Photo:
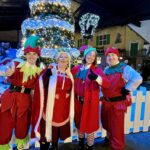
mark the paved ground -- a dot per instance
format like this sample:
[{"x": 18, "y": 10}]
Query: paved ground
[{"x": 136, "y": 141}]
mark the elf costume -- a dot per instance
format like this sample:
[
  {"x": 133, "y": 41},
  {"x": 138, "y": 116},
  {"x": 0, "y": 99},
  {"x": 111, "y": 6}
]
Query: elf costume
[
  {"x": 15, "y": 110},
  {"x": 88, "y": 80},
  {"x": 117, "y": 97}
]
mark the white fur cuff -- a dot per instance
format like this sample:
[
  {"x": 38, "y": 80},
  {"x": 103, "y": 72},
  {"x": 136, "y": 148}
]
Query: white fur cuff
[{"x": 99, "y": 80}]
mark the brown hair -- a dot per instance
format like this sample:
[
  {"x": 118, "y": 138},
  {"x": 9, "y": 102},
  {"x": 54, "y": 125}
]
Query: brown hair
[{"x": 94, "y": 63}]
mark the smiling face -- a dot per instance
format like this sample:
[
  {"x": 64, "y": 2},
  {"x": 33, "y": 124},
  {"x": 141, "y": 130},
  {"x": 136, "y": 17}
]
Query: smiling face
[
  {"x": 32, "y": 57},
  {"x": 63, "y": 60},
  {"x": 90, "y": 57},
  {"x": 112, "y": 59}
]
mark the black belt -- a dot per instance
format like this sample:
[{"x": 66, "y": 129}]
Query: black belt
[
  {"x": 20, "y": 89},
  {"x": 79, "y": 98},
  {"x": 115, "y": 99}
]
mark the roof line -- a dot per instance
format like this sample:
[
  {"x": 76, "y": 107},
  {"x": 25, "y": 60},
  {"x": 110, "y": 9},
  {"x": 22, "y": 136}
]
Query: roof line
[{"x": 145, "y": 41}]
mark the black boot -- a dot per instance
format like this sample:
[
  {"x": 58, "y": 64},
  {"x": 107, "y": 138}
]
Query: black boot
[
  {"x": 81, "y": 144},
  {"x": 105, "y": 142},
  {"x": 54, "y": 146},
  {"x": 44, "y": 146},
  {"x": 87, "y": 147}
]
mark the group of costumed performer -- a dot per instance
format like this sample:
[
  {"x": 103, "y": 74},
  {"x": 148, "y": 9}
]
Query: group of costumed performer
[
  {"x": 117, "y": 98},
  {"x": 62, "y": 95},
  {"x": 15, "y": 102},
  {"x": 88, "y": 78},
  {"x": 53, "y": 104}
]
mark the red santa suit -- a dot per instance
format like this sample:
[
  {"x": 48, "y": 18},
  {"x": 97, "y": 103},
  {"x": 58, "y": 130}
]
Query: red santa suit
[
  {"x": 87, "y": 108},
  {"x": 16, "y": 104},
  {"x": 53, "y": 107}
]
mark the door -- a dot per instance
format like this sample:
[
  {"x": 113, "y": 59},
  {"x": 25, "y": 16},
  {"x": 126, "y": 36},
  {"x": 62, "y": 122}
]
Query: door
[{"x": 134, "y": 49}]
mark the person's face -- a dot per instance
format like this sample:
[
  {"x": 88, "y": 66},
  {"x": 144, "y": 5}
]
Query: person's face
[
  {"x": 32, "y": 57},
  {"x": 90, "y": 57},
  {"x": 63, "y": 60},
  {"x": 112, "y": 59}
]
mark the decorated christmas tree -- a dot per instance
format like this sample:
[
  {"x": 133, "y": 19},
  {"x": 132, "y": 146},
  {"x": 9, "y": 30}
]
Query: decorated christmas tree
[{"x": 53, "y": 22}]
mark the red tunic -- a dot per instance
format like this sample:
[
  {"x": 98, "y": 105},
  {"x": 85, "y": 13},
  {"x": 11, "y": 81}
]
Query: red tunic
[
  {"x": 113, "y": 112},
  {"x": 87, "y": 115},
  {"x": 61, "y": 103},
  {"x": 9, "y": 99},
  {"x": 16, "y": 108}
]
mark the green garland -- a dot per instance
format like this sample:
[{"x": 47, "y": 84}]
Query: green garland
[
  {"x": 47, "y": 8},
  {"x": 48, "y": 61},
  {"x": 48, "y": 16},
  {"x": 48, "y": 32},
  {"x": 52, "y": 36}
]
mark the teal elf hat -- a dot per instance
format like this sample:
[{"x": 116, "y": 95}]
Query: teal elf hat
[
  {"x": 89, "y": 49},
  {"x": 32, "y": 45}
]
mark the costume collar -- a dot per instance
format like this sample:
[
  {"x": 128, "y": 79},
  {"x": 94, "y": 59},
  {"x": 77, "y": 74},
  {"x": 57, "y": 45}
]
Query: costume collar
[
  {"x": 115, "y": 64},
  {"x": 28, "y": 70},
  {"x": 118, "y": 68},
  {"x": 26, "y": 64},
  {"x": 85, "y": 67}
]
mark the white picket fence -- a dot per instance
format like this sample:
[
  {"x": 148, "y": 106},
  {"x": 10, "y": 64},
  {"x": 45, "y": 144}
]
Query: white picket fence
[{"x": 137, "y": 117}]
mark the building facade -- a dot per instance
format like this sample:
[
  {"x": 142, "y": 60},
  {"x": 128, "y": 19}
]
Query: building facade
[{"x": 130, "y": 43}]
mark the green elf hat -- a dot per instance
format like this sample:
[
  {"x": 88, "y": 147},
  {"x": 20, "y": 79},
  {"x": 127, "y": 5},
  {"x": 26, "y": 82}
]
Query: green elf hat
[
  {"x": 89, "y": 49},
  {"x": 32, "y": 45}
]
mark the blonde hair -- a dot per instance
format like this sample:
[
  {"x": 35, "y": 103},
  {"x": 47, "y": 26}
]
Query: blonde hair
[{"x": 62, "y": 52}]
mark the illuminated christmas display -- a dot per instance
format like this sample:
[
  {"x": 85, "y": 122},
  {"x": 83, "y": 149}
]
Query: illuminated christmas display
[
  {"x": 53, "y": 22},
  {"x": 88, "y": 23}
]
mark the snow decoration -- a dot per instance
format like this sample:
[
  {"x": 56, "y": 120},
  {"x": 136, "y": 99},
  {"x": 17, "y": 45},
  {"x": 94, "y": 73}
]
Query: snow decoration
[
  {"x": 49, "y": 23},
  {"x": 52, "y": 52}
]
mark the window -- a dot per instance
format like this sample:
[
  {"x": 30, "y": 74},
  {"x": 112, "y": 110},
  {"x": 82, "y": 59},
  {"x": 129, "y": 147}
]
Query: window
[
  {"x": 82, "y": 42},
  {"x": 118, "y": 38},
  {"x": 103, "y": 39}
]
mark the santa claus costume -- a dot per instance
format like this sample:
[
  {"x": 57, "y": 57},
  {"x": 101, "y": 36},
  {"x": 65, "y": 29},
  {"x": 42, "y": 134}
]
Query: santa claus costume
[
  {"x": 88, "y": 80},
  {"x": 15, "y": 109},
  {"x": 53, "y": 105},
  {"x": 123, "y": 79}
]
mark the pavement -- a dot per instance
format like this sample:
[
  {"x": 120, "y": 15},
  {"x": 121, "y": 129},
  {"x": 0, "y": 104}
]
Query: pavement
[{"x": 134, "y": 141}]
